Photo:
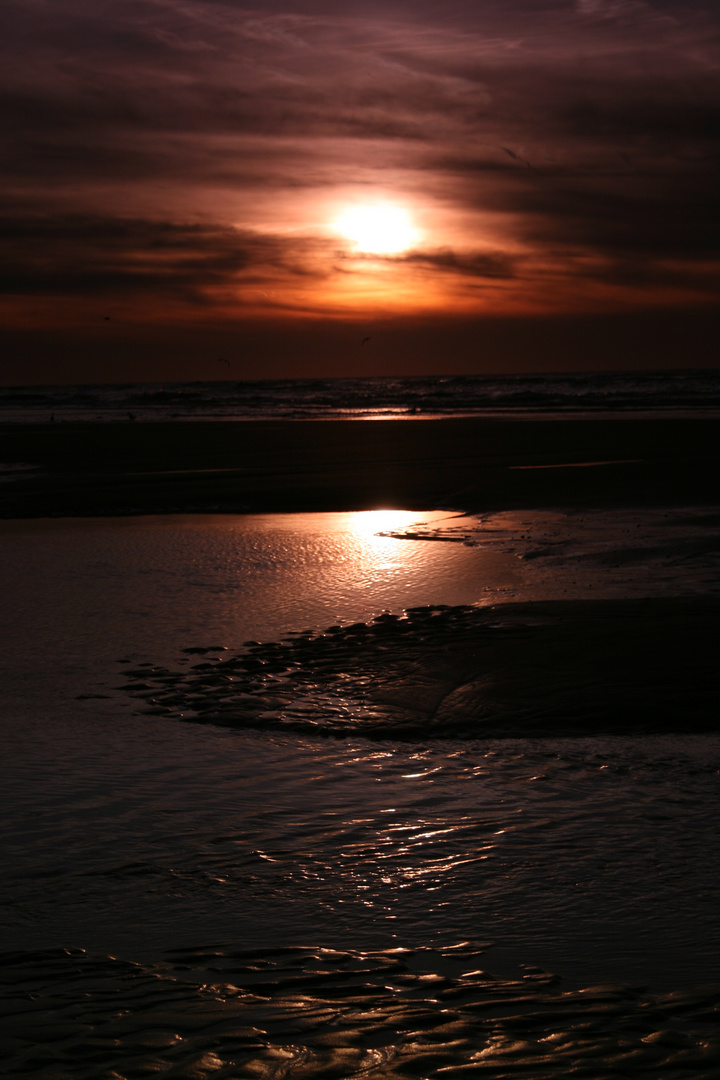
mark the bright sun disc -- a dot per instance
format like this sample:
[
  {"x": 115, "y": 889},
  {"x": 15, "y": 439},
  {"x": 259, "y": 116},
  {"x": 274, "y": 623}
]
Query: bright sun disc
[{"x": 378, "y": 230}]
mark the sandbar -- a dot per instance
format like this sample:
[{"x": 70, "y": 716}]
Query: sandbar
[{"x": 470, "y": 464}]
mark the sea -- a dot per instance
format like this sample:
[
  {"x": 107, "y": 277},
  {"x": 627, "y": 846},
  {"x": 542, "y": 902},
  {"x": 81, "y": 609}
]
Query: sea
[
  {"x": 619, "y": 393},
  {"x": 292, "y": 897}
]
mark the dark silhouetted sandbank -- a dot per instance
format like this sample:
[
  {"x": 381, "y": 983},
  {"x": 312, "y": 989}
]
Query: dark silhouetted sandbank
[
  {"x": 469, "y": 464},
  {"x": 539, "y": 669}
]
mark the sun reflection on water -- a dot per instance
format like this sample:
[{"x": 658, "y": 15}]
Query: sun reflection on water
[
  {"x": 376, "y": 557},
  {"x": 367, "y": 523}
]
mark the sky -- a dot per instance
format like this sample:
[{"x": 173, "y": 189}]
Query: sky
[{"x": 486, "y": 186}]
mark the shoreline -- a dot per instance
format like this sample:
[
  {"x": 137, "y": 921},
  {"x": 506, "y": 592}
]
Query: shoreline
[{"x": 472, "y": 465}]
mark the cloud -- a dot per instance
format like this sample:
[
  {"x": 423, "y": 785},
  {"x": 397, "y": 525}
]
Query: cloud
[
  {"x": 174, "y": 147},
  {"x": 85, "y": 256},
  {"x": 85, "y": 76},
  {"x": 478, "y": 265}
]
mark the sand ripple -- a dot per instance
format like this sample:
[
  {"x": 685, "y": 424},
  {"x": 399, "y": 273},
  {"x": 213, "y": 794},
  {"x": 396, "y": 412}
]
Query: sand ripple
[{"x": 303, "y": 1012}]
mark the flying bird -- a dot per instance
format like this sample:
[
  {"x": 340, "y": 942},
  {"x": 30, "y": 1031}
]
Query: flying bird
[
  {"x": 514, "y": 156},
  {"x": 364, "y": 340},
  {"x": 222, "y": 360}
]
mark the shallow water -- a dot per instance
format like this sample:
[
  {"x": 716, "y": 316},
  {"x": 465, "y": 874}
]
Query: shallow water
[
  {"x": 134, "y": 835},
  {"x": 596, "y": 859},
  {"x": 86, "y": 593}
]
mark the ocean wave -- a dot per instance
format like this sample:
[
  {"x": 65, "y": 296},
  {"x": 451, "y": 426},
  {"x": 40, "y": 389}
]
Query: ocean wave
[{"x": 359, "y": 398}]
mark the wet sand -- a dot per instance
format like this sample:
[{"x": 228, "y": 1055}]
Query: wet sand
[
  {"x": 467, "y": 464},
  {"x": 329, "y": 1013}
]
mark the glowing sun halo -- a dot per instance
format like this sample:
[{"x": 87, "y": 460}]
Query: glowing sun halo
[{"x": 377, "y": 230}]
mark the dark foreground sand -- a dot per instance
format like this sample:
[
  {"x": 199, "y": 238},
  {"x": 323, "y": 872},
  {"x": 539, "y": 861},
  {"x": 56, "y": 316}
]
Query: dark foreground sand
[
  {"x": 311, "y": 1013},
  {"x": 467, "y": 464}
]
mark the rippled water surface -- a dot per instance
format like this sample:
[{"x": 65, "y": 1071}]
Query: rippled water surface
[
  {"x": 89, "y": 592},
  {"x": 134, "y": 834},
  {"x": 595, "y": 858}
]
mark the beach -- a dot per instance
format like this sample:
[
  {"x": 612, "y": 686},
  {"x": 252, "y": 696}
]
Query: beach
[
  {"x": 360, "y": 541},
  {"x": 381, "y": 748}
]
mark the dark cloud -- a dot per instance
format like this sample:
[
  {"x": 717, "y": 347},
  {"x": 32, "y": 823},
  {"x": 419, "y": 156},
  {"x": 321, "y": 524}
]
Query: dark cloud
[
  {"x": 672, "y": 123},
  {"x": 479, "y": 266},
  {"x": 96, "y": 78},
  {"x": 85, "y": 256},
  {"x": 645, "y": 218}
]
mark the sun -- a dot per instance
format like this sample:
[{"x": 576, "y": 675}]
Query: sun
[{"x": 377, "y": 230}]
